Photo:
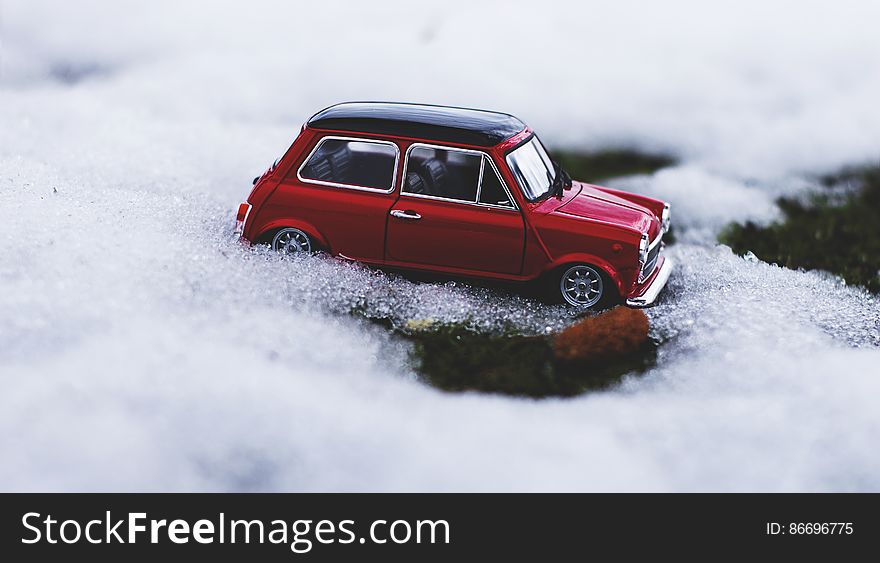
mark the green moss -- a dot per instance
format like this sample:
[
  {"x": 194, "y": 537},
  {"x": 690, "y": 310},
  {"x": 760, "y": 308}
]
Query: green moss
[
  {"x": 454, "y": 358},
  {"x": 600, "y": 165},
  {"x": 837, "y": 230}
]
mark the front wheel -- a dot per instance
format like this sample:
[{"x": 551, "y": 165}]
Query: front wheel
[
  {"x": 292, "y": 241},
  {"x": 582, "y": 286}
]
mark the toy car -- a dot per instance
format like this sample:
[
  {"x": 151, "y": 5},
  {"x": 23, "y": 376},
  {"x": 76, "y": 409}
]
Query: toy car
[{"x": 461, "y": 192}]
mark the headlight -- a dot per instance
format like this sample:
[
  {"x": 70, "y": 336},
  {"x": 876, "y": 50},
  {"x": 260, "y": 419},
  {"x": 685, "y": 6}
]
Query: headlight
[
  {"x": 643, "y": 250},
  {"x": 665, "y": 218}
]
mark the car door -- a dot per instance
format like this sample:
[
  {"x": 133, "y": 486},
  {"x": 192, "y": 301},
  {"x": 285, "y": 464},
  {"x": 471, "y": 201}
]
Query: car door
[
  {"x": 454, "y": 212},
  {"x": 344, "y": 188}
]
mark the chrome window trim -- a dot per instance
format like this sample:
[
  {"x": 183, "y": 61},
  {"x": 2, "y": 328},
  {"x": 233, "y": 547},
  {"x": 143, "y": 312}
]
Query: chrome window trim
[
  {"x": 512, "y": 207},
  {"x": 480, "y": 179},
  {"x": 461, "y": 201},
  {"x": 299, "y": 175},
  {"x": 512, "y": 201}
]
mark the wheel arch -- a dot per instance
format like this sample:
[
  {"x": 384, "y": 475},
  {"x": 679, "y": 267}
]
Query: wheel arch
[
  {"x": 604, "y": 267},
  {"x": 269, "y": 229}
]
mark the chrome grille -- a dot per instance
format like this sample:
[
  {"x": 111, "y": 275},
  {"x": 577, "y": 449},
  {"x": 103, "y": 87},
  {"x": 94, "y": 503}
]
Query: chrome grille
[{"x": 653, "y": 256}]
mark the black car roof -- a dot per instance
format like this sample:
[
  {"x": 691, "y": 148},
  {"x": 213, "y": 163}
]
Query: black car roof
[{"x": 439, "y": 123}]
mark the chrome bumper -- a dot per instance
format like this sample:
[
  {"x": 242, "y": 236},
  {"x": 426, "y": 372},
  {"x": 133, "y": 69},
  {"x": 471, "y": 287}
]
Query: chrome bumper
[{"x": 647, "y": 299}]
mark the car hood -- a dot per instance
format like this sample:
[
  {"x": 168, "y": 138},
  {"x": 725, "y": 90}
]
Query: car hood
[{"x": 590, "y": 202}]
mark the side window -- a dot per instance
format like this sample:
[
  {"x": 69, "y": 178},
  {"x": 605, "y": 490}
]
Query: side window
[
  {"x": 492, "y": 190},
  {"x": 346, "y": 162},
  {"x": 443, "y": 173}
]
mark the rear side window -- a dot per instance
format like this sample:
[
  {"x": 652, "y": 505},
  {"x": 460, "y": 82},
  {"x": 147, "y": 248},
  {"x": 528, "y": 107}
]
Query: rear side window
[{"x": 352, "y": 163}]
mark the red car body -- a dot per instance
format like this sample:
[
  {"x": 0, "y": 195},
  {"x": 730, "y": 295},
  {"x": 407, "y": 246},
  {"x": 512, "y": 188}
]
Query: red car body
[{"x": 406, "y": 225}]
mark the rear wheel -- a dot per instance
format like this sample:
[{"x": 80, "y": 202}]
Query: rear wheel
[
  {"x": 582, "y": 286},
  {"x": 292, "y": 241}
]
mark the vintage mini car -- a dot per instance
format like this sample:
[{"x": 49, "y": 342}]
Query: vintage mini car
[{"x": 460, "y": 192}]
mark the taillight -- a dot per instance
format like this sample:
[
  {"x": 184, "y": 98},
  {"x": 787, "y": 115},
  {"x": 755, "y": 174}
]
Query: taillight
[{"x": 241, "y": 218}]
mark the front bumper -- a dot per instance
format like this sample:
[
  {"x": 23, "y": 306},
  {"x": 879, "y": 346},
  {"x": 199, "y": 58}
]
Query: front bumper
[{"x": 651, "y": 290}]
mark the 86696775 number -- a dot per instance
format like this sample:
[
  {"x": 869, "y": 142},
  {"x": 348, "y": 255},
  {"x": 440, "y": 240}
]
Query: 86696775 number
[{"x": 809, "y": 528}]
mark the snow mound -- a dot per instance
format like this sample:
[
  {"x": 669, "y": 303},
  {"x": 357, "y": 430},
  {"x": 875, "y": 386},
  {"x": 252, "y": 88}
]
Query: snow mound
[
  {"x": 719, "y": 301},
  {"x": 703, "y": 202}
]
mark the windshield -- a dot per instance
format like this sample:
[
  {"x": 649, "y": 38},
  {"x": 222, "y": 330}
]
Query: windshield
[{"x": 532, "y": 168}]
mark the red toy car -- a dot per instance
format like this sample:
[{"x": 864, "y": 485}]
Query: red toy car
[{"x": 457, "y": 191}]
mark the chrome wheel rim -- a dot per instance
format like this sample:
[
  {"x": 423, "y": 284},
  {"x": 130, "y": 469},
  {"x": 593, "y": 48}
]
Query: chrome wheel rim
[
  {"x": 290, "y": 241},
  {"x": 581, "y": 286}
]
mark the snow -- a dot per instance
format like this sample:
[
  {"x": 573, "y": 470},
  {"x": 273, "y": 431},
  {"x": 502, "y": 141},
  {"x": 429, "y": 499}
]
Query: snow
[
  {"x": 142, "y": 348},
  {"x": 720, "y": 200}
]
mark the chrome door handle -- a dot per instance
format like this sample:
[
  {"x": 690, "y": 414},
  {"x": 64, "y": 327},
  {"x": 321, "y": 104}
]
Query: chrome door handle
[{"x": 411, "y": 215}]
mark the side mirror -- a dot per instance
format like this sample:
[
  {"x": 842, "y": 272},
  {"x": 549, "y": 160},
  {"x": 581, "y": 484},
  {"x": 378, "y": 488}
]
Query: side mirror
[{"x": 257, "y": 179}]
